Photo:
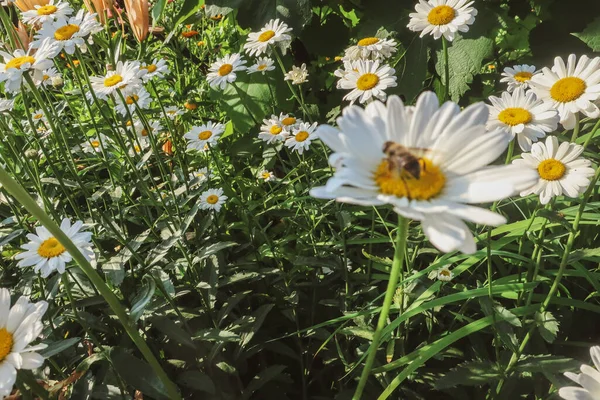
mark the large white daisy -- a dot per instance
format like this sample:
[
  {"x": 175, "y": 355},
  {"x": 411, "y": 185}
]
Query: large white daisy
[
  {"x": 205, "y": 134},
  {"x": 34, "y": 62},
  {"x": 442, "y": 17},
  {"x": 262, "y": 65},
  {"x": 69, "y": 34},
  {"x": 588, "y": 379},
  {"x": 20, "y": 325},
  {"x": 523, "y": 115},
  {"x": 125, "y": 77},
  {"x": 274, "y": 32},
  {"x": 47, "y": 254},
  {"x": 371, "y": 48},
  {"x": 53, "y": 11},
  {"x": 367, "y": 81},
  {"x": 519, "y": 76},
  {"x": 570, "y": 88},
  {"x": 453, "y": 174},
  {"x": 223, "y": 71},
  {"x": 559, "y": 169}
]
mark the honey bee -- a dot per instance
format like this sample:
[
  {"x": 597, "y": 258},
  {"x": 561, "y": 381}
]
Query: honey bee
[{"x": 401, "y": 159}]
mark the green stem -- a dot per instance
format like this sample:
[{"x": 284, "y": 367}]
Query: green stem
[
  {"x": 446, "y": 68},
  {"x": 17, "y": 191},
  {"x": 575, "y": 129},
  {"x": 395, "y": 273}
]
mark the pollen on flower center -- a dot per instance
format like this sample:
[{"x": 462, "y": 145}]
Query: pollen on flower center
[
  {"x": 113, "y": 80},
  {"x": 47, "y": 10},
  {"x": 204, "y": 135},
  {"x": 262, "y": 67},
  {"x": 441, "y": 15},
  {"x": 288, "y": 121},
  {"x": 95, "y": 143},
  {"x": 551, "y": 169},
  {"x": 367, "y": 81},
  {"x": 266, "y": 175},
  {"x": 6, "y": 343},
  {"x": 276, "y": 130},
  {"x": 430, "y": 183},
  {"x": 38, "y": 116},
  {"x": 225, "y": 69},
  {"x": 144, "y": 132},
  {"x": 65, "y": 32},
  {"x": 568, "y": 89},
  {"x": 301, "y": 136},
  {"x": 17, "y": 62},
  {"x": 266, "y": 36},
  {"x": 523, "y": 76},
  {"x": 445, "y": 272},
  {"x": 51, "y": 248},
  {"x": 131, "y": 99},
  {"x": 212, "y": 199},
  {"x": 150, "y": 68},
  {"x": 368, "y": 41},
  {"x": 513, "y": 116}
]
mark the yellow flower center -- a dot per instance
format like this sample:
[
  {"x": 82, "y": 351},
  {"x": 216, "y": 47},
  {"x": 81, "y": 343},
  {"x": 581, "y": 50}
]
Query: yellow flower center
[
  {"x": 144, "y": 132},
  {"x": 368, "y": 41},
  {"x": 551, "y": 169},
  {"x": 6, "y": 343},
  {"x": 17, "y": 62},
  {"x": 266, "y": 36},
  {"x": 441, "y": 15},
  {"x": 568, "y": 89},
  {"x": 47, "y": 10},
  {"x": 225, "y": 69},
  {"x": 276, "y": 130},
  {"x": 514, "y": 116},
  {"x": 288, "y": 121},
  {"x": 212, "y": 199},
  {"x": 51, "y": 248},
  {"x": 445, "y": 273},
  {"x": 38, "y": 116},
  {"x": 266, "y": 175},
  {"x": 523, "y": 76},
  {"x": 65, "y": 32},
  {"x": 113, "y": 80},
  {"x": 367, "y": 81},
  {"x": 45, "y": 77},
  {"x": 132, "y": 99},
  {"x": 430, "y": 183},
  {"x": 301, "y": 136},
  {"x": 262, "y": 67},
  {"x": 95, "y": 143},
  {"x": 204, "y": 135},
  {"x": 150, "y": 68}
]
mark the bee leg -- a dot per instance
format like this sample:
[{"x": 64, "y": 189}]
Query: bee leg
[
  {"x": 423, "y": 164},
  {"x": 407, "y": 189}
]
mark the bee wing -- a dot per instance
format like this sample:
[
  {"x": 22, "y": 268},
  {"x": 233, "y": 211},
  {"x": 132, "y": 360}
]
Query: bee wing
[{"x": 421, "y": 152}]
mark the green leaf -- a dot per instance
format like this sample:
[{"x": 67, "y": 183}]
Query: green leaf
[
  {"x": 546, "y": 364},
  {"x": 547, "y": 325},
  {"x": 357, "y": 331},
  {"x": 261, "y": 379},
  {"x": 583, "y": 253},
  {"x": 471, "y": 373},
  {"x": 115, "y": 267},
  {"x": 157, "y": 10},
  {"x": 138, "y": 374},
  {"x": 189, "y": 8},
  {"x": 173, "y": 331},
  {"x": 197, "y": 380},
  {"x": 465, "y": 60},
  {"x": 591, "y": 35},
  {"x": 58, "y": 347},
  {"x": 412, "y": 70},
  {"x": 142, "y": 298},
  {"x": 259, "y": 316},
  {"x": 256, "y": 13},
  {"x": 216, "y": 335}
]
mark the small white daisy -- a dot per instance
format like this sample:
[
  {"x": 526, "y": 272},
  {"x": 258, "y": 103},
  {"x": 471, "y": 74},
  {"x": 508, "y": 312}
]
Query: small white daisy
[
  {"x": 38, "y": 116},
  {"x": 367, "y": 81},
  {"x": 223, "y": 71},
  {"x": 47, "y": 254},
  {"x": 560, "y": 169},
  {"x": 34, "y": 62},
  {"x": 272, "y": 130},
  {"x": 69, "y": 34},
  {"x": 297, "y": 75},
  {"x": 202, "y": 135},
  {"x": 51, "y": 77},
  {"x": 301, "y": 137},
  {"x": 519, "y": 76},
  {"x": 212, "y": 199},
  {"x": 173, "y": 112},
  {"x": 371, "y": 48},
  {"x": 20, "y": 325},
  {"x": 343, "y": 71},
  {"x": 523, "y": 115},
  {"x": 199, "y": 176},
  {"x": 267, "y": 176},
  {"x": 152, "y": 128},
  {"x": 93, "y": 145},
  {"x": 289, "y": 122},
  {"x": 125, "y": 77},
  {"x": 156, "y": 69},
  {"x": 139, "y": 97},
  {"x": 274, "y": 32},
  {"x": 53, "y": 11},
  {"x": 444, "y": 274},
  {"x": 442, "y": 17},
  {"x": 589, "y": 379},
  {"x": 263, "y": 64},
  {"x": 138, "y": 147},
  {"x": 570, "y": 88}
]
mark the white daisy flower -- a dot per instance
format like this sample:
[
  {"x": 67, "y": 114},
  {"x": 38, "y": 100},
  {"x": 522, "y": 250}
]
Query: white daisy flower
[
  {"x": 199, "y": 176},
  {"x": 6, "y": 105},
  {"x": 46, "y": 253},
  {"x": 297, "y": 75},
  {"x": 274, "y": 32},
  {"x": 301, "y": 137},
  {"x": 523, "y": 115},
  {"x": 343, "y": 71},
  {"x": 125, "y": 77},
  {"x": 152, "y": 128},
  {"x": 371, "y": 48},
  {"x": 157, "y": 69},
  {"x": 223, "y": 71},
  {"x": 138, "y": 147},
  {"x": 589, "y": 379},
  {"x": 212, "y": 199},
  {"x": 93, "y": 145},
  {"x": 69, "y": 34},
  {"x": 559, "y": 169},
  {"x": 519, "y": 76},
  {"x": 446, "y": 178},
  {"x": 53, "y": 11},
  {"x": 272, "y": 130},
  {"x": 367, "y": 81},
  {"x": 34, "y": 62},
  {"x": 444, "y": 274},
  {"x": 20, "y": 325},
  {"x": 139, "y": 97},
  {"x": 202, "y": 135},
  {"x": 173, "y": 112},
  {"x": 289, "y": 122},
  {"x": 38, "y": 116},
  {"x": 570, "y": 88},
  {"x": 263, "y": 64},
  {"x": 442, "y": 17},
  {"x": 51, "y": 77},
  {"x": 267, "y": 176}
]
